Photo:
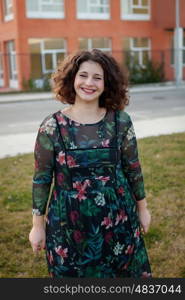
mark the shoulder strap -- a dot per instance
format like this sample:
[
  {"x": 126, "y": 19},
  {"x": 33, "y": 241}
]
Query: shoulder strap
[
  {"x": 61, "y": 138},
  {"x": 59, "y": 131}
]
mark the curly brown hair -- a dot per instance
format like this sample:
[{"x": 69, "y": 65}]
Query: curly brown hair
[{"x": 114, "y": 96}]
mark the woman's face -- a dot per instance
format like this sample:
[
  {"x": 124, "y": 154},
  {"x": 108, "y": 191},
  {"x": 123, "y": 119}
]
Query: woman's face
[{"x": 89, "y": 81}]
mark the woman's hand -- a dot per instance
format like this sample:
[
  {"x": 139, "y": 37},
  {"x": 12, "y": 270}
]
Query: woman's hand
[
  {"x": 144, "y": 215},
  {"x": 37, "y": 236},
  {"x": 145, "y": 219}
]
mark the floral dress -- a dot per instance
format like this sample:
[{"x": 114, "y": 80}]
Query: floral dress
[{"x": 95, "y": 179}]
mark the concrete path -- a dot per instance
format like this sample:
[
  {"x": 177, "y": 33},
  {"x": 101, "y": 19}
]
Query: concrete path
[{"x": 14, "y": 144}]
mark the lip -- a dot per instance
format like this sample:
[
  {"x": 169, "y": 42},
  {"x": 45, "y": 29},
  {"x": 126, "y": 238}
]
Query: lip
[{"x": 88, "y": 91}]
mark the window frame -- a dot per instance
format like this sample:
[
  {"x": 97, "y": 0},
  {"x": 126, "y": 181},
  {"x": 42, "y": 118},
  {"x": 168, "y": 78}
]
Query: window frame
[
  {"x": 43, "y": 51},
  {"x": 1, "y": 70},
  {"x": 45, "y": 15},
  {"x": 7, "y": 5},
  {"x": 133, "y": 49},
  {"x": 88, "y": 15},
  {"x": 90, "y": 43},
  {"x": 54, "y": 53},
  {"x": 12, "y": 63},
  {"x": 133, "y": 16}
]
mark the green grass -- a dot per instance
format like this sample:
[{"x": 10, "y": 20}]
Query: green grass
[{"x": 163, "y": 164}]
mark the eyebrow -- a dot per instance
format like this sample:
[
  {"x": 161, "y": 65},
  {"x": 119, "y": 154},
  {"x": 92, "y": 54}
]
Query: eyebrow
[{"x": 96, "y": 74}]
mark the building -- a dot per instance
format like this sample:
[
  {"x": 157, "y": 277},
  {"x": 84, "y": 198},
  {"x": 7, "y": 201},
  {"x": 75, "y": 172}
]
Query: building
[{"x": 35, "y": 34}]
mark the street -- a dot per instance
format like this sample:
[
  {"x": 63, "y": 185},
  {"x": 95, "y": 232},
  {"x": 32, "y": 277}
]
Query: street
[
  {"x": 25, "y": 117},
  {"x": 153, "y": 113}
]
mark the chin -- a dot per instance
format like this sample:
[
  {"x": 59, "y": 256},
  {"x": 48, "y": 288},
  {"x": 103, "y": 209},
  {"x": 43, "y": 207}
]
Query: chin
[{"x": 83, "y": 98}]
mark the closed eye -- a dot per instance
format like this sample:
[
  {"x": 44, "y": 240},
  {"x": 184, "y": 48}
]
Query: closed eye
[{"x": 81, "y": 75}]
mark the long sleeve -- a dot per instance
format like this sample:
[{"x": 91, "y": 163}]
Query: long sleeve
[
  {"x": 44, "y": 166},
  {"x": 130, "y": 163}
]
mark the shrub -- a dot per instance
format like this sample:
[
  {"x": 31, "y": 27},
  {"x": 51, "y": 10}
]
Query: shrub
[
  {"x": 151, "y": 72},
  {"x": 43, "y": 84}
]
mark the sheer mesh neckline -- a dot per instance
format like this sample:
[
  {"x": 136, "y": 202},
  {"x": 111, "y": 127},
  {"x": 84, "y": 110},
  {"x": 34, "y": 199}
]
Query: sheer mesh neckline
[{"x": 85, "y": 124}]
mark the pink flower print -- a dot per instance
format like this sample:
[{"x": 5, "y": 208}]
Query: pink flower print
[
  {"x": 129, "y": 249},
  {"x": 61, "y": 120},
  {"x": 74, "y": 215},
  {"x": 60, "y": 178},
  {"x": 50, "y": 257},
  {"x": 36, "y": 164},
  {"x": 104, "y": 179},
  {"x": 81, "y": 188},
  {"x": 126, "y": 266},
  {"x": 61, "y": 252},
  {"x": 137, "y": 233},
  {"x": 108, "y": 236},
  {"x": 121, "y": 217},
  {"x": 107, "y": 222},
  {"x": 42, "y": 129},
  {"x": 36, "y": 146},
  {"x": 77, "y": 185},
  {"x": 78, "y": 236},
  {"x": 121, "y": 190},
  {"x": 135, "y": 165},
  {"x": 55, "y": 195},
  {"x": 81, "y": 195},
  {"x": 61, "y": 158},
  {"x": 105, "y": 143},
  {"x": 145, "y": 275},
  {"x": 71, "y": 162},
  {"x": 63, "y": 131},
  {"x": 86, "y": 183}
]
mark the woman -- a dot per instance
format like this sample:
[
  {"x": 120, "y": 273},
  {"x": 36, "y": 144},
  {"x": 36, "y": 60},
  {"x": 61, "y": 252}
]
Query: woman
[{"x": 97, "y": 211}]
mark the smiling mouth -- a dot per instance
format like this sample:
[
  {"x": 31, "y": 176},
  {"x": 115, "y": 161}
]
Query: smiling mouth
[{"x": 88, "y": 91}]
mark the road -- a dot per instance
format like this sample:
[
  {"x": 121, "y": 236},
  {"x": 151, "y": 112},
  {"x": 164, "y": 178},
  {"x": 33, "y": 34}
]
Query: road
[
  {"x": 26, "y": 117},
  {"x": 153, "y": 113}
]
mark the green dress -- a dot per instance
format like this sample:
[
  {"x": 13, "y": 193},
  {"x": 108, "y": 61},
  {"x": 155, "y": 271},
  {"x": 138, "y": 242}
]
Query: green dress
[{"x": 92, "y": 225}]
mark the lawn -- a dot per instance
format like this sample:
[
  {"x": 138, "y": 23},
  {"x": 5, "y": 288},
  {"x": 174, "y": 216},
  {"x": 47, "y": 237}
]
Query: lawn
[{"x": 163, "y": 163}]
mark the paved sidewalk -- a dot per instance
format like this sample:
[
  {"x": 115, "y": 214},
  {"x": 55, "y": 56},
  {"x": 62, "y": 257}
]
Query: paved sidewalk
[
  {"x": 14, "y": 144},
  {"x": 20, "y": 97}
]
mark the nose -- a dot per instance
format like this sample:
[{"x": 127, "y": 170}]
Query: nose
[{"x": 89, "y": 81}]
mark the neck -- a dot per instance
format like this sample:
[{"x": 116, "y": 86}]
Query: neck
[
  {"x": 84, "y": 108},
  {"x": 86, "y": 112}
]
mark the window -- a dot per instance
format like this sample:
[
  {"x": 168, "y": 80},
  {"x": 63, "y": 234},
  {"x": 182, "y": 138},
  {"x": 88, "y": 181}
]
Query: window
[
  {"x": 8, "y": 10},
  {"x": 93, "y": 9},
  {"x": 12, "y": 64},
  {"x": 48, "y": 9},
  {"x": 135, "y": 9},
  {"x": 138, "y": 50},
  {"x": 183, "y": 49},
  {"x": 1, "y": 70},
  {"x": 45, "y": 55},
  {"x": 103, "y": 44}
]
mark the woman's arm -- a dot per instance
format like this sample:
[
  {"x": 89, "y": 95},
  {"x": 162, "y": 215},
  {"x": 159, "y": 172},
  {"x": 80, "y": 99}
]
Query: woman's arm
[
  {"x": 144, "y": 215},
  {"x": 133, "y": 172},
  {"x": 42, "y": 179}
]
